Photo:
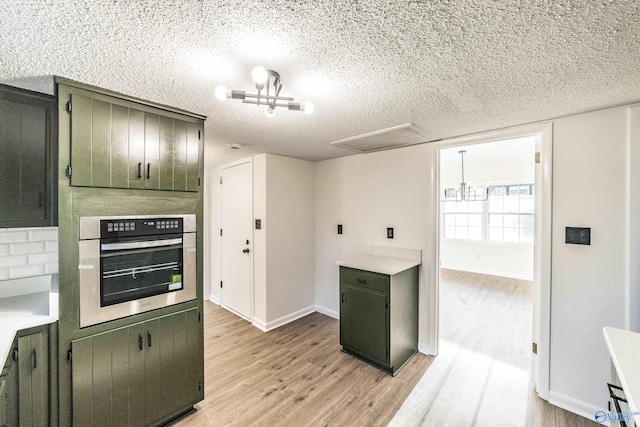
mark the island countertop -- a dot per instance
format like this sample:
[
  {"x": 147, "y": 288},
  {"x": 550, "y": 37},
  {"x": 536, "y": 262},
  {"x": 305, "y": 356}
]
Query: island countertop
[
  {"x": 379, "y": 263},
  {"x": 624, "y": 348}
]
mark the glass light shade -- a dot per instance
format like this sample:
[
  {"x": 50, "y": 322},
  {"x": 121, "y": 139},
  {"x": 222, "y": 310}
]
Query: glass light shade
[
  {"x": 307, "y": 107},
  {"x": 222, "y": 93},
  {"x": 259, "y": 75},
  {"x": 271, "y": 111}
]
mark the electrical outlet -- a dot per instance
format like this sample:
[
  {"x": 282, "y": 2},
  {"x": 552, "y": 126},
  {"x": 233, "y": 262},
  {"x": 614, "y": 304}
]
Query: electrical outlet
[{"x": 389, "y": 233}]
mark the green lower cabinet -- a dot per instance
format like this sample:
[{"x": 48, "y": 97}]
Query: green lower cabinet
[
  {"x": 9, "y": 393},
  {"x": 379, "y": 316},
  {"x": 139, "y": 375},
  {"x": 24, "y": 382}
]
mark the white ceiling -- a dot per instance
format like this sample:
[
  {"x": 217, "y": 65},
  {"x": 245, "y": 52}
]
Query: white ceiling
[{"x": 450, "y": 67}]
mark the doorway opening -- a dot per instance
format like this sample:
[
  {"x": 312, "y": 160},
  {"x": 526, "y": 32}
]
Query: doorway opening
[{"x": 501, "y": 245}]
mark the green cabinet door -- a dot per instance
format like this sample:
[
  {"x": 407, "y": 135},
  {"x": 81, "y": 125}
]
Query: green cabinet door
[
  {"x": 119, "y": 150},
  {"x": 174, "y": 364},
  {"x": 188, "y": 359},
  {"x": 194, "y": 152},
  {"x": 364, "y": 321},
  {"x": 152, "y": 151},
  {"x": 33, "y": 375},
  {"x": 167, "y": 151},
  {"x": 25, "y": 159},
  {"x": 108, "y": 378},
  {"x": 136, "y": 149},
  {"x": 9, "y": 391},
  {"x": 81, "y": 140}
]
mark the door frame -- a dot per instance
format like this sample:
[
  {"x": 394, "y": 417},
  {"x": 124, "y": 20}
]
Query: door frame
[
  {"x": 542, "y": 243},
  {"x": 239, "y": 162}
]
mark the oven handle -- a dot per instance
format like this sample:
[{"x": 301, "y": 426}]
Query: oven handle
[{"x": 138, "y": 245}]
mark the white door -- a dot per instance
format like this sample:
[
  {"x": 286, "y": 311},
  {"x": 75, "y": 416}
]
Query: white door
[{"x": 236, "y": 195}]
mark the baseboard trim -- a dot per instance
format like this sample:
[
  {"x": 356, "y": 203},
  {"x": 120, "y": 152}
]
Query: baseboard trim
[
  {"x": 274, "y": 324},
  {"x": 259, "y": 324},
  {"x": 492, "y": 273},
  {"x": 328, "y": 312},
  {"x": 214, "y": 299},
  {"x": 574, "y": 405},
  {"x": 424, "y": 349}
]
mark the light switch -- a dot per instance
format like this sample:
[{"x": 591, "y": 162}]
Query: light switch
[
  {"x": 339, "y": 228},
  {"x": 258, "y": 224}
]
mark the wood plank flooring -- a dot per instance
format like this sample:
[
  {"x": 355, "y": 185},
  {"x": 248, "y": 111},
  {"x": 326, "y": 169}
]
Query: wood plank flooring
[
  {"x": 481, "y": 376},
  {"x": 296, "y": 375}
]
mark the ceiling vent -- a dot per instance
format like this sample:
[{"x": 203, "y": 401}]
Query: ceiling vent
[{"x": 385, "y": 139}]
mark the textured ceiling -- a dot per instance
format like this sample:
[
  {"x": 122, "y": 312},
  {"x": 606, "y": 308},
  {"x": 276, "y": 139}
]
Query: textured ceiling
[{"x": 451, "y": 67}]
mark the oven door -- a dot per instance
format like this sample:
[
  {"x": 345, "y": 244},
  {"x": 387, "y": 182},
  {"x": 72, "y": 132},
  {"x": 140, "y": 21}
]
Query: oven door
[
  {"x": 123, "y": 277},
  {"x": 132, "y": 269}
]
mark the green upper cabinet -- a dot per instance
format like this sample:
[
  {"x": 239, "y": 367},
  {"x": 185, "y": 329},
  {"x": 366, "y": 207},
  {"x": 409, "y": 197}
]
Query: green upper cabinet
[
  {"x": 116, "y": 143},
  {"x": 27, "y": 158}
]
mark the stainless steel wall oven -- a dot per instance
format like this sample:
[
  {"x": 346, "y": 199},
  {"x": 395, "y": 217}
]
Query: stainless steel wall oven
[{"x": 130, "y": 265}]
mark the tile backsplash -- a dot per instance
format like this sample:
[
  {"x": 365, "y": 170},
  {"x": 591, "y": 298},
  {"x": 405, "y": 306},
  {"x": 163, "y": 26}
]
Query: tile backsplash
[{"x": 26, "y": 252}]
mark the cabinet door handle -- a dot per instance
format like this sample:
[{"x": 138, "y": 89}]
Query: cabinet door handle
[
  {"x": 139, "y": 170},
  {"x": 342, "y": 297},
  {"x": 34, "y": 359},
  {"x": 40, "y": 199},
  {"x": 149, "y": 339},
  {"x": 361, "y": 281},
  {"x": 140, "y": 341},
  {"x": 148, "y": 170}
]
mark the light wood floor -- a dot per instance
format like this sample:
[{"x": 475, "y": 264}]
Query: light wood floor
[
  {"x": 297, "y": 375},
  {"x": 481, "y": 376}
]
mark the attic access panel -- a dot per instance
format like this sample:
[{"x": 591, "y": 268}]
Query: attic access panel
[{"x": 385, "y": 139}]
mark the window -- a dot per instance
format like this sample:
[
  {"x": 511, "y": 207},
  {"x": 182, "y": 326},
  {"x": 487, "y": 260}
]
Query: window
[
  {"x": 507, "y": 215},
  {"x": 463, "y": 220},
  {"x": 510, "y": 213}
]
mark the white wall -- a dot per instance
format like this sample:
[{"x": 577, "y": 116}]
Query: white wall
[
  {"x": 259, "y": 246},
  {"x": 514, "y": 261},
  {"x": 283, "y": 259},
  {"x": 588, "y": 283},
  {"x": 289, "y": 225},
  {"x": 633, "y": 261},
  {"x": 367, "y": 194}
]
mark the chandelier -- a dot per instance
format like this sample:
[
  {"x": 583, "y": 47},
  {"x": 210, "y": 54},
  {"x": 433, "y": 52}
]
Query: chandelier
[
  {"x": 271, "y": 98},
  {"x": 464, "y": 193}
]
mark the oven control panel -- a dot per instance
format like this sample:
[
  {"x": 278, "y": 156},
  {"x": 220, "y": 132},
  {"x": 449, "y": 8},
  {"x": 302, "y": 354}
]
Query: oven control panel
[{"x": 139, "y": 227}]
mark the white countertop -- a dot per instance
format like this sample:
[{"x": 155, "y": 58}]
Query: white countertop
[
  {"x": 624, "y": 347},
  {"x": 379, "y": 263},
  {"x": 25, "y": 311}
]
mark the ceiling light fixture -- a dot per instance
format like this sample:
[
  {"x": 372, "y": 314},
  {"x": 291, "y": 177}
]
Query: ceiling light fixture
[
  {"x": 464, "y": 193},
  {"x": 261, "y": 76}
]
